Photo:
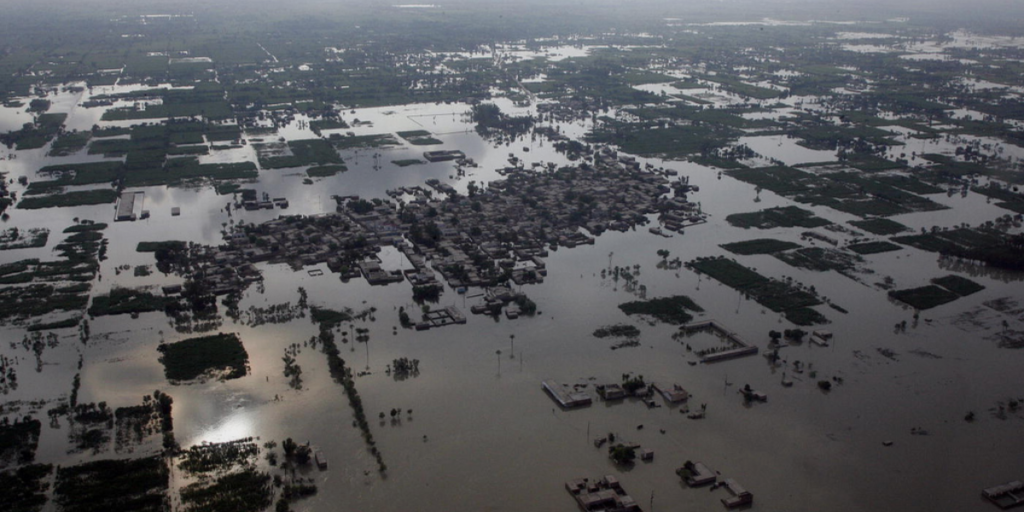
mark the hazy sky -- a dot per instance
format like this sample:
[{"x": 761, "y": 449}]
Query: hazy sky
[{"x": 1004, "y": 13}]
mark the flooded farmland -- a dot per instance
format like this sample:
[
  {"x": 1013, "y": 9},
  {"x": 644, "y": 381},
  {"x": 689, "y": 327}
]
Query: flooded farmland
[{"x": 852, "y": 246}]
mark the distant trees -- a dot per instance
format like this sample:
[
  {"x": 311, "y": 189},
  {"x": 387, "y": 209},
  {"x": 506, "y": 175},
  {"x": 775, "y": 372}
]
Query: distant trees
[{"x": 489, "y": 116}]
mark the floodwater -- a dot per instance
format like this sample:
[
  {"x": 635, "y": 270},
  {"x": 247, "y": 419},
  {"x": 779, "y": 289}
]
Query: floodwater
[{"x": 483, "y": 435}]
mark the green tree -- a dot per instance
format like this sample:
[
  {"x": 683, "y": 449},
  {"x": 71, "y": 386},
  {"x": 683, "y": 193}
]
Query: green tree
[
  {"x": 622, "y": 454},
  {"x": 289, "y": 447}
]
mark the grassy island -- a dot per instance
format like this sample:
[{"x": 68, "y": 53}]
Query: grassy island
[{"x": 194, "y": 357}]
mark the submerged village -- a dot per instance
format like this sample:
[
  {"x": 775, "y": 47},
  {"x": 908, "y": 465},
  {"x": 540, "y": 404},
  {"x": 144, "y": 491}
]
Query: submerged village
[
  {"x": 487, "y": 238},
  {"x": 454, "y": 258}
]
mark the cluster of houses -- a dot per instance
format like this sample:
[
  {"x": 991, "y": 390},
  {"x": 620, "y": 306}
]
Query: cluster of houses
[
  {"x": 603, "y": 495},
  {"x": 572, "y": 396},
  {"x": 486, "y": 238},
  {"x": 696, "y": 474}
]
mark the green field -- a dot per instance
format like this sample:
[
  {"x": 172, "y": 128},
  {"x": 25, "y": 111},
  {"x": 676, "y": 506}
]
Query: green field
[
  {"x": 407, "y": 162},
  {"x": 304, "y": 152},
  {"x": 958, "y": 285},
  {"x": 776, "y": 295},
  {"x": 324, "y": 171},
  {"x": 129, "y": 484},
  {"x": 759, "y": 246},
  {"x": 69, "y": 199},
  {"x": 782, "y": 217},
  {"x": 880, "y": 226},
  {"x": 873, "y": 247},
  {"x": 126, "y": 300},
  {"x": 194, "y": 357},
  {"x": 925, "y": 297}
]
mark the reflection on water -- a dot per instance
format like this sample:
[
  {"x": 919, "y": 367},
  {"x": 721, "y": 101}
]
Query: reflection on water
[{"x": 233, "y": 427}]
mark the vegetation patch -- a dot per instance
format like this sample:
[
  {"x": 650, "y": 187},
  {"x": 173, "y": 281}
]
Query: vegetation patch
[
  {"x": 958, "y": 285},
  {"x": 785, "y": 181},
  {"x": 728, "y": 272},
  {"x": 744, "y": 89},
  {"x": 407, "y": 162},
  {"x": 79, "y": 263},
  {"x": 90, "y": 427},
  {"x": 34, "y": 135},
  {"x": 79, "y": 198},
  {"x": 69, "y": 143},
  {"x": 127, "y": 300},
  {"x": 247, "y": 490},
  {"x": 188, "y": 150},
  {"x": 363, "y": 141},
  {"x": 427, "y": 293},
  {"x": 114, "y": 486},
  {"x": 759, "y": 246},
  {"x": 179, "y": 170},
  {"x": 224, "y": 189},
  {"x": 849, "y": 192},
  {"x": 419, "y": 138},
  {"x": 51, "y": 326},
  {"x": 1007, "y": 198},
  {"x": 304, "y": 153},
  {"x": 135, "y": 423},
  {"x": 671, "y": 310},
  {"x": 820, "y": 259},
  {"x": 883, "y": 227},
  {"x": 778, "y": 296},
  {"x": 324, "y": 171},
  {"x": 329, "y": 318},
  {"x": 925, "y": 297},
  {"x": 827, "y": 138},
  {"x": 673, "y": 142},
  {"x": 872, "y": 163},
  {"x": 18, "y": 441},
  {"x": 782, "y": 217},
  {"x": 1009, "y": 338},
  {"x": 873, "y": 247},
  {"x": 85, "y": 226},
  {"x": 169, "y": 245},
  {"x": 215, "y": 457},
  {"x": 343, "y": 375},
  {"x": 194, "y": 357},
  {"x": 805, "y": 316},
  {"x": 617, "y": 331},
  {"x": 327, "y": 123},
  {"x": 981, "y": 245},
  {"x": 909, "y": 183},
  {"x": 489, "y": 117},
  {"x": 24, "y": 489},
  {"x": 14, "y": 238}
]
